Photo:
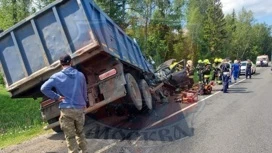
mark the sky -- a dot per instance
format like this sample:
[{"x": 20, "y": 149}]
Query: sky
[{"x": 261, "y": 8}]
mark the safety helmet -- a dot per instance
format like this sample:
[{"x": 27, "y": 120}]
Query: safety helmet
[
  {"x": 215, "y": 60},
  {"x": 206, "y": 61},
  {"x": 199, "y": 61},
  {"x": 173, "y": 65},
  {"x": 220, "y": 60}
]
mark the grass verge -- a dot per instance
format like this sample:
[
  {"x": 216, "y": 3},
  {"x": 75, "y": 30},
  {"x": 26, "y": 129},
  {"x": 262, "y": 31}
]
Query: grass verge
[
  {"x": 20, "y": 119},
  {"x": 17, "y": 138}
]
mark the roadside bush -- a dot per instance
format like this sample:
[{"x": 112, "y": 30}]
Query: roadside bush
[
  {"x": 20, "y": 118},
  {"x": 2, "y": 79}
]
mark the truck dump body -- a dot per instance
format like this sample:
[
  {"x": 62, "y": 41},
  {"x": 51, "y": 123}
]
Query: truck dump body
[{"x": 29, "y": 51}]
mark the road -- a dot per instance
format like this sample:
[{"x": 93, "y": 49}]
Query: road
[{"x": 239, "y": 121}]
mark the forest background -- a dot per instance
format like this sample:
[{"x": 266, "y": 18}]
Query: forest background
[{"x": 165, "y": 29}]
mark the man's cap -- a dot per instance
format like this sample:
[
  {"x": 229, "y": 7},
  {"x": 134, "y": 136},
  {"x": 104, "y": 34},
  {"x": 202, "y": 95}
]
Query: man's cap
[{"x": 66, "y": 59}]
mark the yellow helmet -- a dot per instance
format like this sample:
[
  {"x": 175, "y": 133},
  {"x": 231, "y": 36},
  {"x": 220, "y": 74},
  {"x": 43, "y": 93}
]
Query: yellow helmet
[
  {"x": 173, "y": 65},
  {"x": 199, "y": 61},
  {"x": 220, "y": 60},
  {"x": 206, "y": 61},
  {"x": 216, "y": 60}
]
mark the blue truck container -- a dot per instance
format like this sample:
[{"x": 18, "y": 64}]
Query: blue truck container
[
  {"x": 29, "y": 50},
  {"x": 112, "y": 62}
]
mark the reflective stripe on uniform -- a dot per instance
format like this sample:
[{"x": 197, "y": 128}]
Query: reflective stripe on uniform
[{"x": 206, "y": 76}]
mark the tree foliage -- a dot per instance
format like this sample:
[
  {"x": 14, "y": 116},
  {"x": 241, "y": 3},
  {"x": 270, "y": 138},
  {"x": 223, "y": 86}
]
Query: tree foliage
[
  {"x": 212, "y": 34},
  {"x": 116, "y": 9},
  {"x": 164, "y": 29},
  {"x": 246, "y": 38},
  {"x": 214, "y": 27},
  {"x": 1, "y": 79},
  {"x": 12, "y": 11}
]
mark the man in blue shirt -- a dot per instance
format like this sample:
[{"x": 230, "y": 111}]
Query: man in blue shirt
[
  {"x": 235, "y": 70},
  {"x": 71, "y": 91}
]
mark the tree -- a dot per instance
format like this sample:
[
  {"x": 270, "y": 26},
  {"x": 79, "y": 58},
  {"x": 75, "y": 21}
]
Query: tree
[
  {"x": 39, "y": 4},
  {"x": 142, "y": 11},
  {"x": 247, "y": 39},
  {"x": 243, "y": 36},
  {"x": 195, "y": 16},
  {"x": 116, "y": 9},
  {"x": 164, "y": 29},
  {"x": 13, "y": 11},
  {"x": 166, "y": 20},
  {"x": 214, "y": 28}
]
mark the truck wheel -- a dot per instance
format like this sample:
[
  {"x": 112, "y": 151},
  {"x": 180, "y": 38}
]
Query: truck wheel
[
  {"x": 145, "y": 91},
  {"x": 133, "y": 91},
  {"x": 53, "y": 120}
]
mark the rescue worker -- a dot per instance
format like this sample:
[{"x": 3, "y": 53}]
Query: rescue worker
[
  {"x": 248, "y": 69},
  {"x": 230, "y": 66},
  {"x": 239, "y": 62},
  {"x": 220, "y": 60},
  {"x": 216, "y": 69},
  {"x": 200, "y": 67},
  {"x": 190, "y": 72},
  {"x": 225, "y": 68},
  {"x": 235, "y": 70},
  {"x": 207, "y": 71}
]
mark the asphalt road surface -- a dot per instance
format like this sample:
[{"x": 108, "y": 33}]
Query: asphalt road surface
[{"x": 238, "y": 121}]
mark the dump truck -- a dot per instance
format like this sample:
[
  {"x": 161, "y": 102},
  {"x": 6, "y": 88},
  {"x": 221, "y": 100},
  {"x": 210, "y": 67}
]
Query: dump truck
[
  {"x": 111, "y": 61},
  {"x": 115, "y": 68}
]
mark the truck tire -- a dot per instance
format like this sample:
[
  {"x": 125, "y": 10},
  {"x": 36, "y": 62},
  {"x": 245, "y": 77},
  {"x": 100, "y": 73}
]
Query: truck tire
[
  {"x": 146, "y": 94},
  {"x": 53, "y": 120},
  {"x": 133, "y": 91}
]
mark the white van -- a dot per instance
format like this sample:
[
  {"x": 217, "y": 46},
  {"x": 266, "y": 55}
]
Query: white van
[{"x": 263, "y": 58}]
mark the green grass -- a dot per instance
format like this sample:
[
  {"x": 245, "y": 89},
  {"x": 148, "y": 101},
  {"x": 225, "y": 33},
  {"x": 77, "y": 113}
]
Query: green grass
[
  {"x": 20, "y": 119},
  {"x": 21, "y": 136}
]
